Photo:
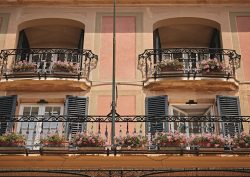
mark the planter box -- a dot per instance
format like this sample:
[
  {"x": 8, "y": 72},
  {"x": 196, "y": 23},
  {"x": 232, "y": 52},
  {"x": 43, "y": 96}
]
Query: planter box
[
  {"x": 12, "y": 148},
  {"x": 242, "y": 150},
  {"x": 63, "y": 72},
  {"x": 24, "y": 73},
  {"x": 212, "y": 73},
  {"x": 211, "y": 149},
  {"x": 133, "y": 148},
  {"x": 54, "y": 148},
  {"x": 171, "y": 72},
  {"x": 170, "y": 148},
  {"x": 90, "y": 148}
]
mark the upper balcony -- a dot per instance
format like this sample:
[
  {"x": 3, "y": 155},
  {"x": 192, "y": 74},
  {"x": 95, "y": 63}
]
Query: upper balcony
[
  {"x": 189, "y": 68},
  {"x": 40, "y": 69}
]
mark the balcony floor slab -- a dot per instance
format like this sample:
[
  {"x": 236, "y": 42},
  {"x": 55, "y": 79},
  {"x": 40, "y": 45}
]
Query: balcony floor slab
[
  {"x": 195, "y": 85},
  {"x": 43, "y": 85}
]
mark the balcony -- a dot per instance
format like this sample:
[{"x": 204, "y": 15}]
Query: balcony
[
  {"x": 40, "y": 69},
  {"x": 68, "y": 158},
  {"x": 33, "y": 128},
  {"x": 189, "y": 68}
]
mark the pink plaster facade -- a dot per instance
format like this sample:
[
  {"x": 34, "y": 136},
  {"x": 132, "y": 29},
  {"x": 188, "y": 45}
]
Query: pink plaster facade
[
  {"x": 243, "y": 26},
  {"x": 126, "y": 105},
  {"x": 1, "y": 20},
  {"x": 125, "y": 48}
]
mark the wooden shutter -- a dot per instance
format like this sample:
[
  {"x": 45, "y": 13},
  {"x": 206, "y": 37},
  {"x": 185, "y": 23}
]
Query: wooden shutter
[
  {"x": 157, "y": 44},
  {"x": 156, "y": 108},
  {"x": 23, "y": 42},
  {"x": 229, "y": 106},
  {"x": 81, "y": 40},
  {"x": 157, "y": 40},
  {"x": 7, "y": 111},
  {"x": 76, "y": 106}
]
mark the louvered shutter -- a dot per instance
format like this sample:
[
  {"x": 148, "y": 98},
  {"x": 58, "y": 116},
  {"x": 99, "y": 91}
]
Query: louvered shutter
[
  {"x": 229, "y": 106},
  {"x": 156, "y": 108},
  {"x": 7, "y": 111},
  {"x": 76, "y": 106}
]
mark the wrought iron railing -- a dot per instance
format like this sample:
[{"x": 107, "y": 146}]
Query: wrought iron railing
[
  {"x": 33, "y": 126},
  {"x": 132, "y": 172},
  {"x": 188, "y": 62},
  {"x": 47, "y": 62}
]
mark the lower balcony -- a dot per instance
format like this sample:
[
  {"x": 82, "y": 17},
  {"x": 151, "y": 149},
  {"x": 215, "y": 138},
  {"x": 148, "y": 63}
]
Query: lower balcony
[
  {"x": 60, "y": 134},
  {"x": 43, "y": 69},
  {"x": 189, "y": 68}
]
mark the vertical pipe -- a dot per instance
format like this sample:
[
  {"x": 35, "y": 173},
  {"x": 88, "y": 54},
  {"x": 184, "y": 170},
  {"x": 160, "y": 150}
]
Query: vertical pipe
[{"x": 113, "y": 77}]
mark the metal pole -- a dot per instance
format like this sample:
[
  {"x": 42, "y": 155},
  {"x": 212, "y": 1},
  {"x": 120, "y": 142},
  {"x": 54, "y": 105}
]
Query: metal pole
[{"x": 113, "y": 78}]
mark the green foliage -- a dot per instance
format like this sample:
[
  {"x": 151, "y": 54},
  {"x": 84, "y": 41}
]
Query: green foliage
[{"x": 12, "y": 139}]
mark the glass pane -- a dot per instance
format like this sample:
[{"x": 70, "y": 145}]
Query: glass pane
[
  {"x": 24, "y": 125},
  {"x": 56, "y": 110},
  {"x": 175, "y": 112},
  {"x": 34, "y": 111},
  {"x": 48, "y": 110},
  {"x": 52, "y": 110},
  {"x": 26, "y": 111},
  {"x": 53, "y": 125},
  {"x": 46, "y": 125}
]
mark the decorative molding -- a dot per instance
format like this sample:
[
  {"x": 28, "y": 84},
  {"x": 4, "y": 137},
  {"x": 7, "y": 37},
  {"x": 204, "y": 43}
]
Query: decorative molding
[{"x": 122, "y": 2}]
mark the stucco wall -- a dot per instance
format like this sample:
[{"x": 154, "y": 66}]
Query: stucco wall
[{"x": 134, "y": 35}]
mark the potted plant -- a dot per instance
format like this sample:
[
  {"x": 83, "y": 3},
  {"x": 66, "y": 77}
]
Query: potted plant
[
  {"x": 131, "y": 142},
  {"x": 211, "y": 66},
  {"x": 84, "y": 141},
  {"x": 24, "y": 66},
  {"x": 210, "y": 142},
  {"x": 242, "y": 142},
  {"x": 170, "y": 140},
  {"x": 53, "y": 142},
  {"x": 12, "y": 141},
  {"x": 65, "y": 66},
  {"x": 168, "y": 65}
]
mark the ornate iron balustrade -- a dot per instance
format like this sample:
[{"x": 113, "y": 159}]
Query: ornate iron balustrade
[
  {"x": 127, "y": 124},
  {"x": 33, "y": 126},
  {"x": 188, "y": 62},
  {"x": 136, "y": 172},
  {"x": 132, "y": 118},
  {"x": 47, "y": 62}
]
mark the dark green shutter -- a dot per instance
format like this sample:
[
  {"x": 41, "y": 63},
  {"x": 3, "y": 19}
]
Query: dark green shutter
[
  {"x": 215, "y": 40},
  {"x": 81, "y": 40},
  {"x": 23, "y": 42},
  {"x": 7, "y": 111},
  {"x": 157, "y": 45},
  {"x": 76, "y": 106},
  {"x": 156, "y": 108},
  {"x": 215, "y": 43},
  {"x": 157, "y": 40},
  {"x": 229, "y": 106}
]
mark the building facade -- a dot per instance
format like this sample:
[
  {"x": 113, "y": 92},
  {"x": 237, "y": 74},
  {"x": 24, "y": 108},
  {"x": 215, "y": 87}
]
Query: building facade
[{"x": 179, "y": 59}]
